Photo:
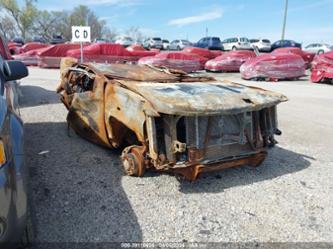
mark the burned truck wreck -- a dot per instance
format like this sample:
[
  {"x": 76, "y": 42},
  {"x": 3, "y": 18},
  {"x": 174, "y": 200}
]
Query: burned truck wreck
[{"x": 168, "y": 120}]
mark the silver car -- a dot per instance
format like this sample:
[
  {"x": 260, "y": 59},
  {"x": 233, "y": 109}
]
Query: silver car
[
  {"x": 179, "y": 44},
  {"x": 165, "y": 44},
  {"x": 318, "y": 48},
  {"x": 125, "y": 41},
  {"x": 155, "y": 42},
  {"x": 263, "y": 45},
  {"x": 237, "y": 43}
]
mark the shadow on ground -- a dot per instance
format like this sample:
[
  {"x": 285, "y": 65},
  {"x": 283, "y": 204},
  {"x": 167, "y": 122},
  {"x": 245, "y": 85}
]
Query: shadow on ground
[
  {"x": 279, "y": 162},
  {"x": 34, "y": 96},
  {"x": 77, "y": 194}
]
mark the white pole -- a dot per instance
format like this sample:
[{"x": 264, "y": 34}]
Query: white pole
[
  {"x": 284, "y": 20},
  {"x": 81, "y": 52}
]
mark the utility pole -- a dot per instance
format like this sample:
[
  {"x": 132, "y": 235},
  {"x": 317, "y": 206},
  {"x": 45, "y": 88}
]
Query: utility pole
[
  {"x": 206, "y": 32},
  {"x": 284, "y": 20}
]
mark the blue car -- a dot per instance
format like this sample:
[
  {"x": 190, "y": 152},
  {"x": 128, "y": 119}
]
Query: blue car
[
  {"x": 212, "y": 43},
  {"x": 14, "y": 228},
  {"x": 285, "y": 44}
]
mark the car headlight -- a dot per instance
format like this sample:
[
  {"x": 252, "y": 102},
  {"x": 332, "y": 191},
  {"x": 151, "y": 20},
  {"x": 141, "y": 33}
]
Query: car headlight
[{"x": 2, "y": 154}]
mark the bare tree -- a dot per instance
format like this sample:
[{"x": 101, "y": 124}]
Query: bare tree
[
  {"x": 48, "y": 23},
  {"x": 7, "y": 27},
  {"x": 30, "y": 21},
  {"x": 24, "y": 17},
  {"x": 135, "y": 33},
  {"x": 109, "y": 33}
]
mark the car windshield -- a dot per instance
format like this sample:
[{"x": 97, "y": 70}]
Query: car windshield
[
  {"x": 254, "y": 40},
  {"x": 156, "y": 39},
  {"x": 243, "y": 39},
  {"x": 266, "y": 41},
  {"x": 165, "y": 41},
  {"x": 185, "y": 42},
  {"x": 216, "y": 39}
]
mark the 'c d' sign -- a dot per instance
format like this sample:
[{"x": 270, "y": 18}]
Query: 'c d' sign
[{"x": 81, "y": 34}]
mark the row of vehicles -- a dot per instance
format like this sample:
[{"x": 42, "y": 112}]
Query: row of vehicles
[
  {"x": 229, "y": 44},
  {"x": 262, "y": 45},
  {"x": 210, "y": 42}
]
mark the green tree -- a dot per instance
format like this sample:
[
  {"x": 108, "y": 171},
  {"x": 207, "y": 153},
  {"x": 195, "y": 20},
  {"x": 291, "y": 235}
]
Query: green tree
[{"x": 24, "y": 17}]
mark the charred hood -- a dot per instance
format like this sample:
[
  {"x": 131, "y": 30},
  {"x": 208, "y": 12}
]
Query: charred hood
[{"x": 177, "y": 93}]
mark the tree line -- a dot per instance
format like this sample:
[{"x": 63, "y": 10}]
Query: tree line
[{"x": 27, "y": 21}]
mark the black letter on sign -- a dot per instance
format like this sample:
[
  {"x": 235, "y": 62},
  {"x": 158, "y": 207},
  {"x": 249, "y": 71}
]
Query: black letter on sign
[
  {"x": 77, "y": 34},
  {"x": 85, "y": 34}
]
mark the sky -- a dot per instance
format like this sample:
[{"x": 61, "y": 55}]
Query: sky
[{"x": 308, "y": 21}]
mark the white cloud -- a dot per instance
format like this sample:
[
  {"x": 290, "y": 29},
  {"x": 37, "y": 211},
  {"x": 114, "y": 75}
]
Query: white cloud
[{"x": 211, "y": 15}]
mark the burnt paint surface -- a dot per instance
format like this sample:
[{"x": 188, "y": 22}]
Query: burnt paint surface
[{"x": 112, "y": 104}]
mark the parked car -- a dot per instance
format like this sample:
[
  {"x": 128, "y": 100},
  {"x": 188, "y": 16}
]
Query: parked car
[
  {"x": 213, "y": 43},
  {"x": 263, "y": 45},
  {"x": 237, "y": 43},
  {"x": 14, "y": 220},
  {"x": 229, "y": 61},
  {"x": 307, "y": 56},
  {"x": 39, "y": 39},
  {"x": 155, "y": 42},
  {"x": 100, "y": 40},
  {"x": 273, "y": 67},
  {"x": 179, "y": 44},
  {"x": 18, "y": 40},
  {"x": 318, "y": 48},
  {"x": 322, "y": 68},
  {"x": 125, "y": 41},
  {"x": 174, "y": 60},
  {"x": 170, "y": 121},
  {"x": 165, "y": 44},
  {"x": 57, "y": 39},
  {"x": 285, "y": 44}
]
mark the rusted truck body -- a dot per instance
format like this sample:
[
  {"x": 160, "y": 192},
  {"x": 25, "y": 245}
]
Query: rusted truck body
[{"x": 169, "y": 120}]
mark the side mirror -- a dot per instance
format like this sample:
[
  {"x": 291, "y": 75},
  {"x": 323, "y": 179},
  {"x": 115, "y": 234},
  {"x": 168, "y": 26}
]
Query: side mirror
[{"x": 14, "y": 70}]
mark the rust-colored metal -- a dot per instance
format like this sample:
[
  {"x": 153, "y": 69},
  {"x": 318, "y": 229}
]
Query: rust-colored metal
[
  {"x": 170, "y": 121},
  {"x": 133, "y": 159},
  {"x": 192, "y": 172}
]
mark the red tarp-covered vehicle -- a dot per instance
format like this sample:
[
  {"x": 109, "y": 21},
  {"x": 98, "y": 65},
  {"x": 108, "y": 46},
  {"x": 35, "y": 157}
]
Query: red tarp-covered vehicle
[
  {"x": 307, "y": 57},
  {"x": 109, "y": 53},
  {"x": 273, "y": 67},
  {"x": 14, "y": 48},
  {"x": 186, "y": 62},
  {"x": 229, "y": 62},
  {"x": 32, "y": 46},
  {"x": 50, "y": 57},
  {"x": 209, "y": 54},
  {"x": 29, "y": 58},
  {"x": 322, "y": 68}
]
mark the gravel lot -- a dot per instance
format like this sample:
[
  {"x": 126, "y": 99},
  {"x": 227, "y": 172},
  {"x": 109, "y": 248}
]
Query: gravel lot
[{"x": 79, "y": 192}]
